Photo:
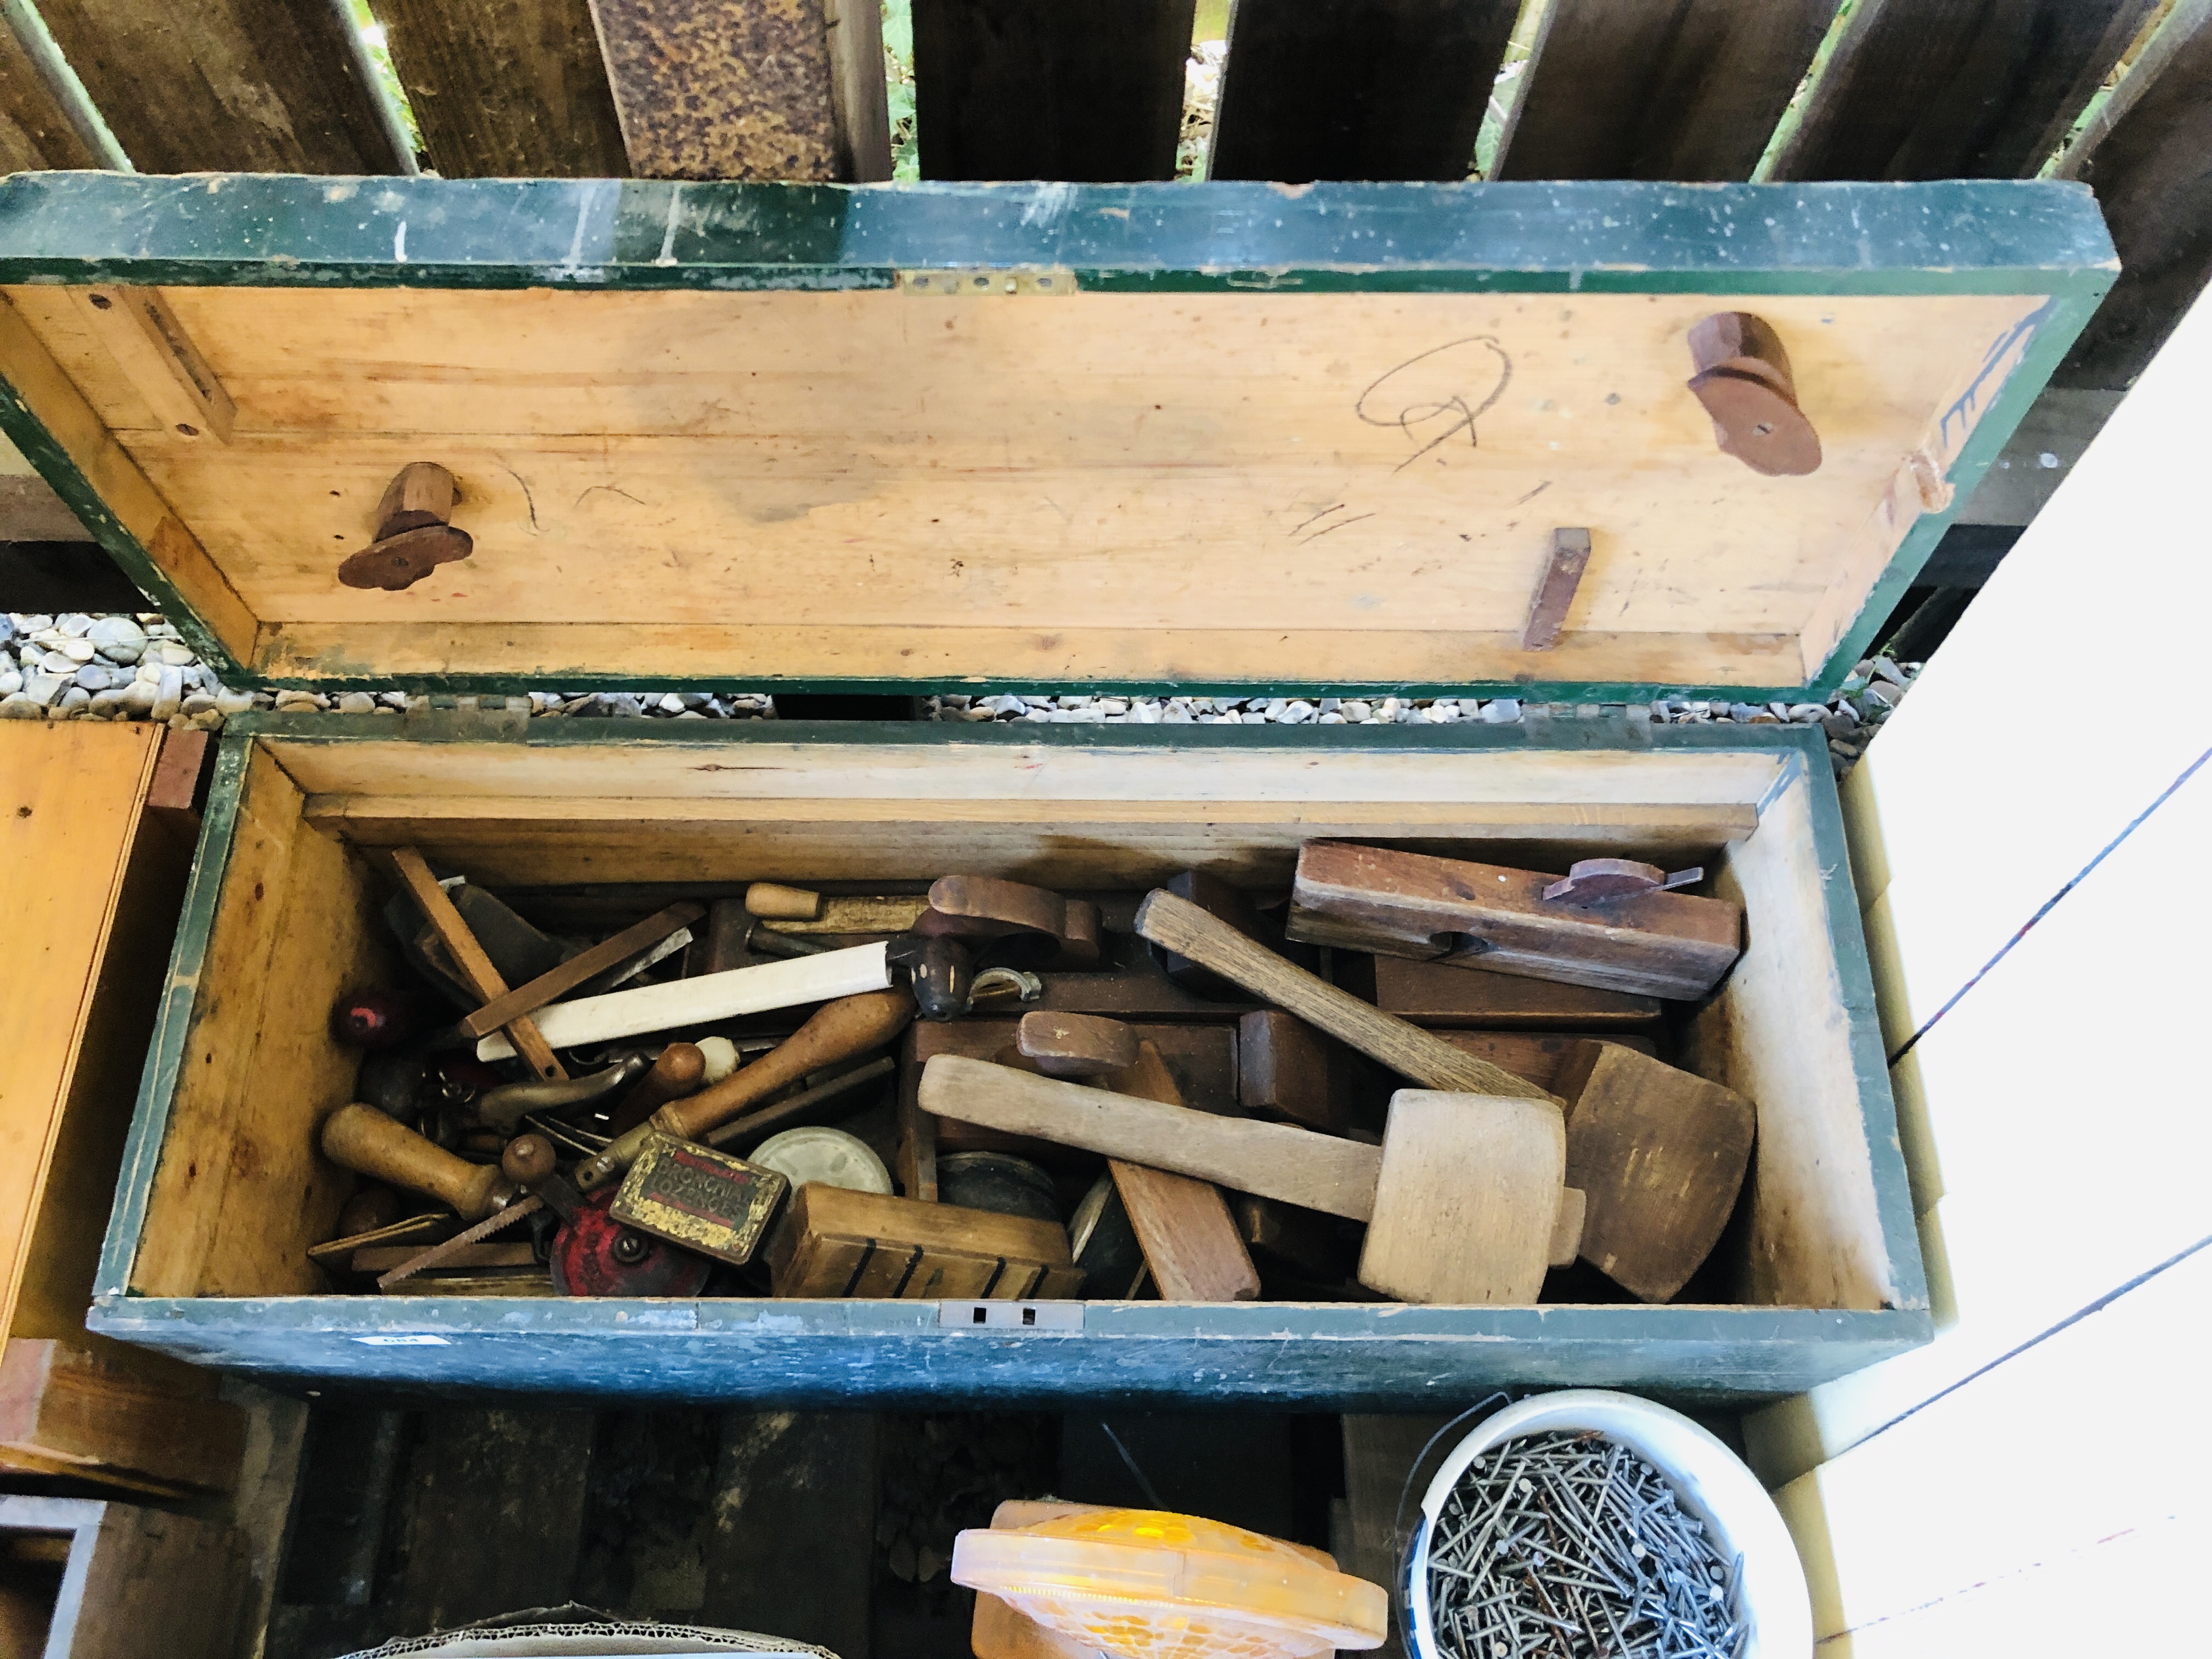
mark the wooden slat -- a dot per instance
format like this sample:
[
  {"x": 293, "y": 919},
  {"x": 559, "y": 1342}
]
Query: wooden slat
[
  {"x": 34, "y": 129},
  {"x": 731, "y": 89},
  {"x": 243, "y": 86},
  {"x": 69, "y": 797},
  {"x": 506, "y": 89},
  {"x": 495, "y": 1500},
  {"x": 1021, "y": 89},
  {"x": 1956, "y": 89},
  {"x": 2150, "y": 178},
  {"x": 1357, "y": 88},
  {"x": 1660, "y": 89}
]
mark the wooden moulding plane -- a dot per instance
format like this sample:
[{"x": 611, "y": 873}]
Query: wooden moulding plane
[{"x": 1618, "y": 928}]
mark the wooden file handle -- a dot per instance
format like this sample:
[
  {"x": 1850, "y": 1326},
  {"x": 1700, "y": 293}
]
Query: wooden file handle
[
  {"x": 1179, "y": 926},
  {"x": 772, "y": 902},
  {"x": 1316, "y": 1172},
  {"x": 365, "y": 1140},
  {"x": 675, "y": 1074},
  {"x": 839, "y": 1030}
]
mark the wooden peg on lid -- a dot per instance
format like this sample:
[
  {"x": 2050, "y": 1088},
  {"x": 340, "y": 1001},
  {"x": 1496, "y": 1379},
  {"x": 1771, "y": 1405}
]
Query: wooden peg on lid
[
  {"x": 1743, "y": 379},
  {"x": 413, "y": 536}
]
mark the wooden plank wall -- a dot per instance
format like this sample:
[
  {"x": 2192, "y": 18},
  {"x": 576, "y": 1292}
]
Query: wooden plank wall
[
  {"x": 506, "y": 89},
  {"x": 231, "y": 86},
  {"x": 1356, "y": 88},
  {"x": 35, "y": 130},
  {"x": 1381, "y": 89},
  {"x": 1011, "y": 90},
  {"x": 2149, "y": 171},
  {"x": 1956, "y": 89},
  {"x": 1659, "y": 89}
]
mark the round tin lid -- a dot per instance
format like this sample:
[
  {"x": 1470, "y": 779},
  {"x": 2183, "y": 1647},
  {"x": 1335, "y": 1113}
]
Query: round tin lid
[{"x": 828, "y": 1155}]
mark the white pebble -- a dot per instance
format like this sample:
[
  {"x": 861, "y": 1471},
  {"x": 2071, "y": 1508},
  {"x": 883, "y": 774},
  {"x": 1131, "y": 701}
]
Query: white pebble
[{"x": 353, "y": 702}]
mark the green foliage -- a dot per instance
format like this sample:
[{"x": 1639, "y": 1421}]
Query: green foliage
[{"x": 898, "y": 88}]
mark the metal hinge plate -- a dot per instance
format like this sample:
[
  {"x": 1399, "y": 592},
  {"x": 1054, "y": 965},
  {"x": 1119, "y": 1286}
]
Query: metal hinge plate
[
  {"x": 1048, "y": 281},
  {"x": 1062, "y": 1317}
]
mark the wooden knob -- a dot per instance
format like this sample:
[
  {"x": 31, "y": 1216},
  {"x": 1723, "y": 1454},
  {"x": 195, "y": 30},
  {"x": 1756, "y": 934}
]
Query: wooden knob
[
  {"x": 772, "y": 903},
  {"x": 362, "y": 1139},
  {"x": 528, "y": 1160},
  {"x": 679, "y": 1070},
  {"x": 1743, "y": 379},
  {"x": 420, "y": 493}
]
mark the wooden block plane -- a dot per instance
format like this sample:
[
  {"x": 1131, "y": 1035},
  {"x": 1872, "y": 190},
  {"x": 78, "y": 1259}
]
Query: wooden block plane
[
  {"x": 834, "y": 1241},
  {"x": 1650, "y": 942}
]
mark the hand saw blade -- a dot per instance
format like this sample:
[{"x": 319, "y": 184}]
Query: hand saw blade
[{"x": 439, "y": 1254}]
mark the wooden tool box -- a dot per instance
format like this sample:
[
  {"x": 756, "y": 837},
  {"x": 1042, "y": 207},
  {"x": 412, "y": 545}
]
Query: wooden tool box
[{"x": 1225, "y": 438}]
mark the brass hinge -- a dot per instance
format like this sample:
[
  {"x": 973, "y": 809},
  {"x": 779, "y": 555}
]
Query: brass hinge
[{"x": 1048, "y": 281}]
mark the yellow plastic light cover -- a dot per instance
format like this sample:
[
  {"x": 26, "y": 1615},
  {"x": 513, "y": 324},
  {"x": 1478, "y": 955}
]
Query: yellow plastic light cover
[{"x": 1151, "y": 1585}]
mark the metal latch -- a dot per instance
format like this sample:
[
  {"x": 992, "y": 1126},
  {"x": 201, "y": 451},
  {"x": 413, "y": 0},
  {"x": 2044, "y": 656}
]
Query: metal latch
[
  {"x": 1011, "y": 1316},
  {"x": 1048, "y": 281}
]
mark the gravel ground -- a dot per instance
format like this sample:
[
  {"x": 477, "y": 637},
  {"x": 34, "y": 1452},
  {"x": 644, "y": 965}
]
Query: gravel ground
[
  {"x": 80, "y": 667},
  {"x": 1850, "y": 718}
]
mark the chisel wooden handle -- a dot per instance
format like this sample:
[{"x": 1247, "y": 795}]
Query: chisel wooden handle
[
  {"x": 1179, "y": 926},
  {"x": 841, "y": 1029},
  {"x": 1183, "y": 1225},
  {"x": 363, "y": 1140},
  {"x": 675, "y": 1073}
]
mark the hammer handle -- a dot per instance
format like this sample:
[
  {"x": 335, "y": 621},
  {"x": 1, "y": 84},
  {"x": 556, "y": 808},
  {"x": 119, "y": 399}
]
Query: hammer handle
[
  {"x": 365, "y": 1140},
  {"x": 1179, "y": 926}
]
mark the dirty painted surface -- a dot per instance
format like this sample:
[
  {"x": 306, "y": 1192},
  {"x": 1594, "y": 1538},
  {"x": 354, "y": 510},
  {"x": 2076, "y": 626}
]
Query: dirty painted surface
[
  {"x": 1348, "y": 1357},
  {"x": 1956, "y": 237},
  {"x": 709, "y": 90}
]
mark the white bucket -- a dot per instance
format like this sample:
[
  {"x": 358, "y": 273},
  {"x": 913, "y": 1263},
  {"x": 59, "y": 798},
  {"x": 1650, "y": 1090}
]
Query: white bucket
[{"x": 1709, "y": 1481}]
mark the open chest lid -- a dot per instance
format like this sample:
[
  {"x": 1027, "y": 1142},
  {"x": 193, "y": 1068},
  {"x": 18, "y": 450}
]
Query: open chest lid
[{"x": 1220, "y": 436}]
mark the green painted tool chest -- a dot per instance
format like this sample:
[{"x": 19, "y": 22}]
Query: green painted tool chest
[{"x": 1219, "y": 438}]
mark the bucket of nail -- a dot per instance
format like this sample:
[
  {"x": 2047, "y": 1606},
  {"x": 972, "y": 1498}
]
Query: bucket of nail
[{"x": 1589, "y": 1523}]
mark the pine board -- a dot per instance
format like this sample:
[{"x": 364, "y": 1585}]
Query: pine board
[{"x": 506, "y": 89}]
